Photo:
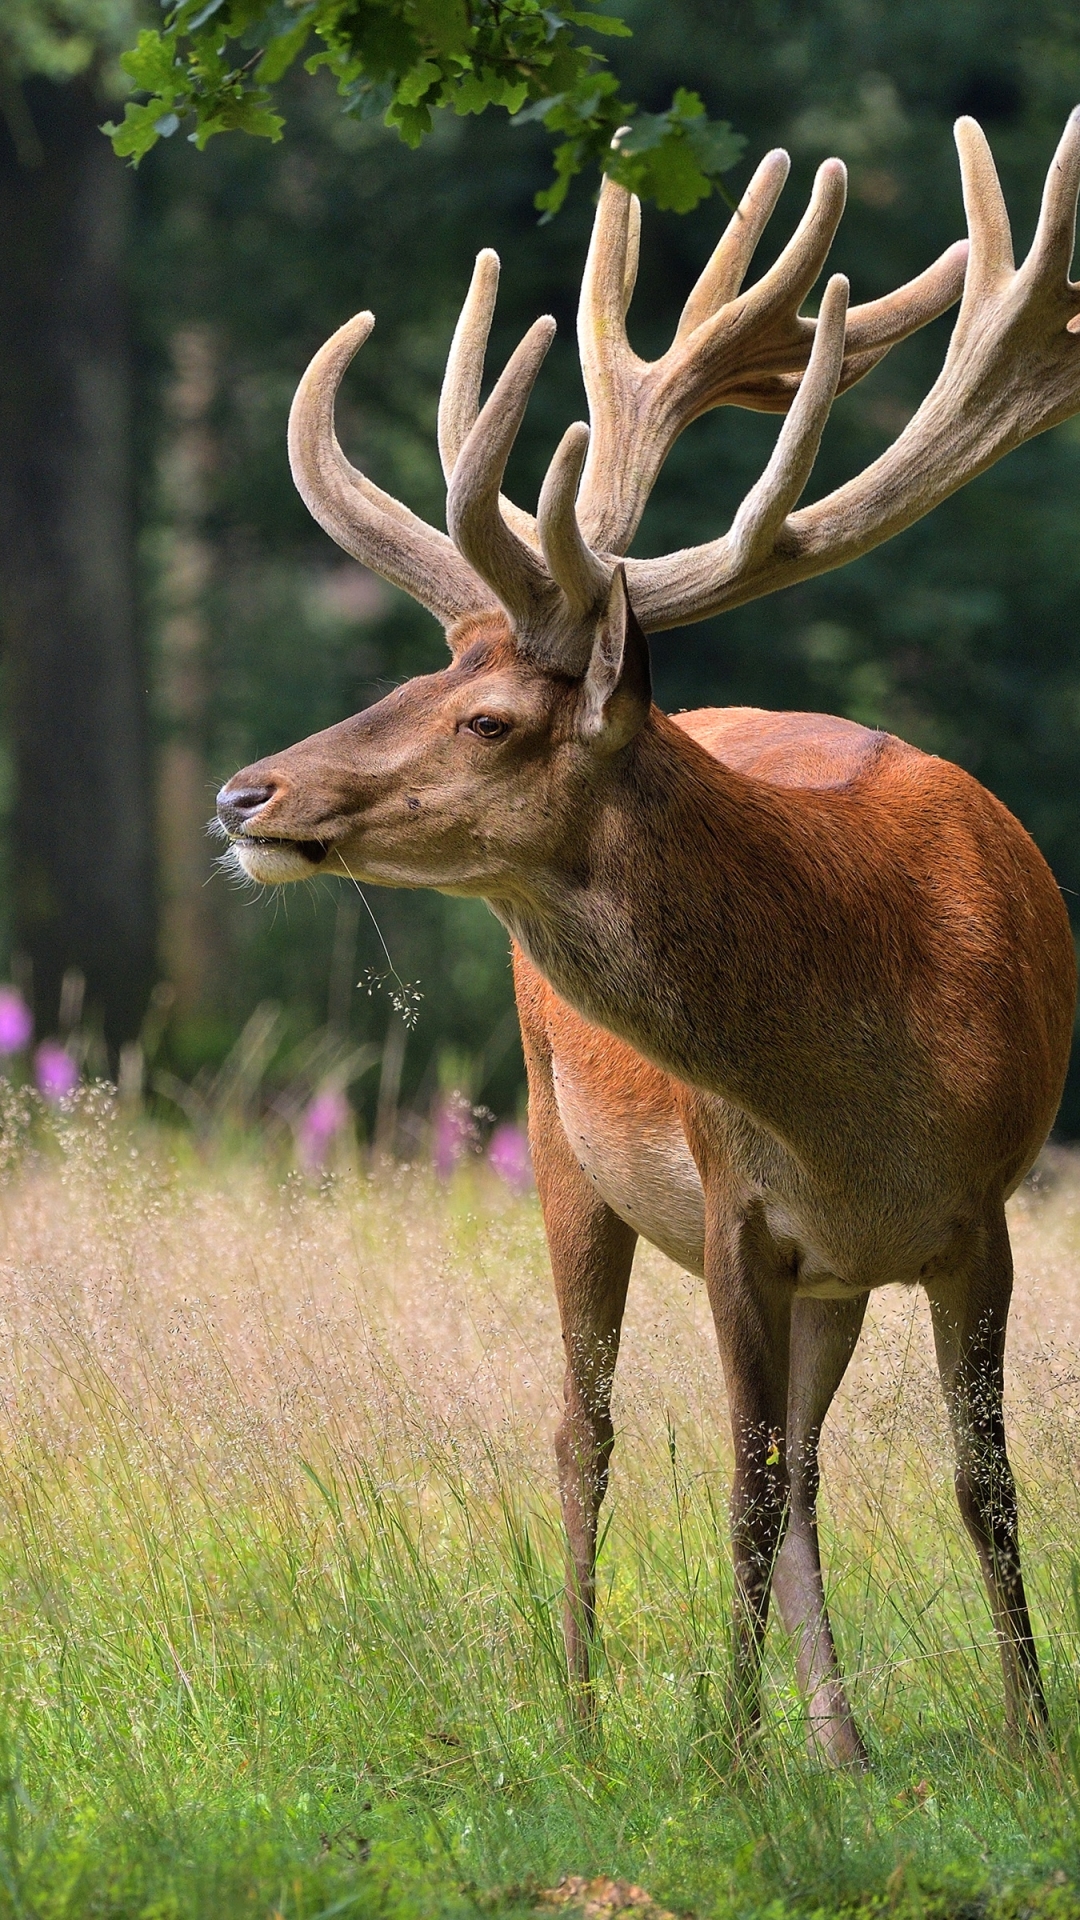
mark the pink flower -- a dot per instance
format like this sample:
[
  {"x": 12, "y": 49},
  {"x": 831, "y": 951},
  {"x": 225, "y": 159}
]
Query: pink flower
[
  {"x": 56, "y": 1073},
  {"x": 508, "y": 1156},
  {"x": 326, "y": 1115},
  {"x": 453, "y": 1132},
  {"x": 16, "y": 1022}
]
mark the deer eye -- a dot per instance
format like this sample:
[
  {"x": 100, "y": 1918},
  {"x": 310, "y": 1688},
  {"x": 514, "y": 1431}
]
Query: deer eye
[{"x": 488, "y": 727}]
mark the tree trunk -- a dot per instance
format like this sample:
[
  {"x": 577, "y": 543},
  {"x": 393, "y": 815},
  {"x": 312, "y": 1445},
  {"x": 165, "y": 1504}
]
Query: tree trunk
[
  {"x": 81, "y": 857},
  {"x": 185, "y": 794}
]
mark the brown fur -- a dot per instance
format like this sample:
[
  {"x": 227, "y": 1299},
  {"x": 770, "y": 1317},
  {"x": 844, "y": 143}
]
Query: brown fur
[{"x": 796, "y": 1002}]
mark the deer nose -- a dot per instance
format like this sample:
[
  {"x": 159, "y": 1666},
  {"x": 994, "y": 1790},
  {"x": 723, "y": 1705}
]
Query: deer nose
[{"x": 236, "y": 807}]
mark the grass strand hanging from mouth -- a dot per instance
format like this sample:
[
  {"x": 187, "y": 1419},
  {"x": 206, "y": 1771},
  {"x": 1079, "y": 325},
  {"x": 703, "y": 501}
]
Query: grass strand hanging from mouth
[{"x": 405, "y": 995}]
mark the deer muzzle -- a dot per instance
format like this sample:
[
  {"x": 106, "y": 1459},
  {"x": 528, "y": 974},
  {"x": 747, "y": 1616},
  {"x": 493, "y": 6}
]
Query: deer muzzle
[{"x": 265, "y": 856}]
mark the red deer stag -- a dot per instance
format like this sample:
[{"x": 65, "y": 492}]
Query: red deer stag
[{"x": 796, "y": 998}]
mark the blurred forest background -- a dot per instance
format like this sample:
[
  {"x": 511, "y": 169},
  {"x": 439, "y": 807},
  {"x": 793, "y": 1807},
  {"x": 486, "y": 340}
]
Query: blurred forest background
[{"x": 168, "y": 611}]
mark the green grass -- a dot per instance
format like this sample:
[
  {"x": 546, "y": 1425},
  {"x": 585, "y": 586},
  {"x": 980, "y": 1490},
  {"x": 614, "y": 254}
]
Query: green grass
[{"x": 279, "y": 1572}]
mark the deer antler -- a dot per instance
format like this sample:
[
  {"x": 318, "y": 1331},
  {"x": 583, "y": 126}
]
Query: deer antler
[
  {"x": 1012, "y": 370},
  {"x": 730, "y": 348},
  {"x": 733, "y": 349},
  {"x": 551, "y": 605}
]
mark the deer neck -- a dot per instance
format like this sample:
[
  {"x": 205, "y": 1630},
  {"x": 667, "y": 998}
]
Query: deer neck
[{"x": 720, "y": 924}]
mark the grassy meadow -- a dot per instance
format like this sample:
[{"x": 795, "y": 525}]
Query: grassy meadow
[{"x": 280, "y": 1568}]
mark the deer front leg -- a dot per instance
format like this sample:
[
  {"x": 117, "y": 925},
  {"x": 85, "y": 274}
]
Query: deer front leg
[
  {"x": 591, "y": 1255},
  {"x": 591, "y": 1263},
  {"x": 970, "y": 1310},
  {"x": 823, "y": 1338},
  {"x": 750, "y": 1293}
]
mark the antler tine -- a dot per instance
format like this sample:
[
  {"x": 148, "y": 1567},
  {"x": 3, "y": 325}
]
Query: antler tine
[
  {"x": 758, "y": 523},
  {"x": 1012, "y": 370},
  {"x": 735, "y": 249},
  {"x": 370, "y": 524},
  {"x": 459, "y": 401},
  {"x": 606, "y": 286},
  {"x": 582, "y": 576},
  {"x": 511, "y": 569},
  {"x": 984, "y": 205},
  {"x": 1055, "y": 236}
]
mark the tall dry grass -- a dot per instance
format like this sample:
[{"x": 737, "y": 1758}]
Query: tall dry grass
[{"x": 279, "y": 1560}]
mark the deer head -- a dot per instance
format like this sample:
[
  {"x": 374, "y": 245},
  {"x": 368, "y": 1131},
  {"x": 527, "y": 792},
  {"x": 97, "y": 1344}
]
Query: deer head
[
  {"x": 473, "y": 779},
  {"x": 461, "y": 780}
]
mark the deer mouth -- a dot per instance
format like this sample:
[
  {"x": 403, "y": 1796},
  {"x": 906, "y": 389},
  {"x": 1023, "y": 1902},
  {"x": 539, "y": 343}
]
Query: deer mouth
[
  {"x": 314, "y": 851},
  {"x": 274, "y": 859}
]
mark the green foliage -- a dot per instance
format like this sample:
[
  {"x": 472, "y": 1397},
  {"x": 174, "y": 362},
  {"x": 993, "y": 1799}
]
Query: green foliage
[
  {"x": 218, "y": 61},
  {"x": 60, "y": 38}
]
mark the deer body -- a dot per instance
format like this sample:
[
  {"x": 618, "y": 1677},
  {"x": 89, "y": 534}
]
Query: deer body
[
  {"x": 808, "y": 882},
  {"x": 796, "y": 999},
  {"x": 868, "y": 1160}
]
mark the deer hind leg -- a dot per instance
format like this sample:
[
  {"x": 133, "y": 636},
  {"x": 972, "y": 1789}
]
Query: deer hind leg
[
  {"x": 823, "y": 1338},
  {"x": 750, "y": 1292},
  {"x": 592, "y": 1251},
  {"x": 970, "y": 1309}
]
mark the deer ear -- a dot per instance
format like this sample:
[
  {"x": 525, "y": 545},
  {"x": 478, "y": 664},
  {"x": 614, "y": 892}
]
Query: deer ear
[{"x": 616, "y": 692}]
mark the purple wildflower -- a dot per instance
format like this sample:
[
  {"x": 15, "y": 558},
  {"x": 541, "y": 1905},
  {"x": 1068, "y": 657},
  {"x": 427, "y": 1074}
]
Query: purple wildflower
[
  {"x": 56, "y": 1073},
  {"x": 453, "y": 1132},
  {"x": 16, "y": 1021},
  {"x": 326, "y": 1115},
  {"x": 508, "y": 1156}
]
